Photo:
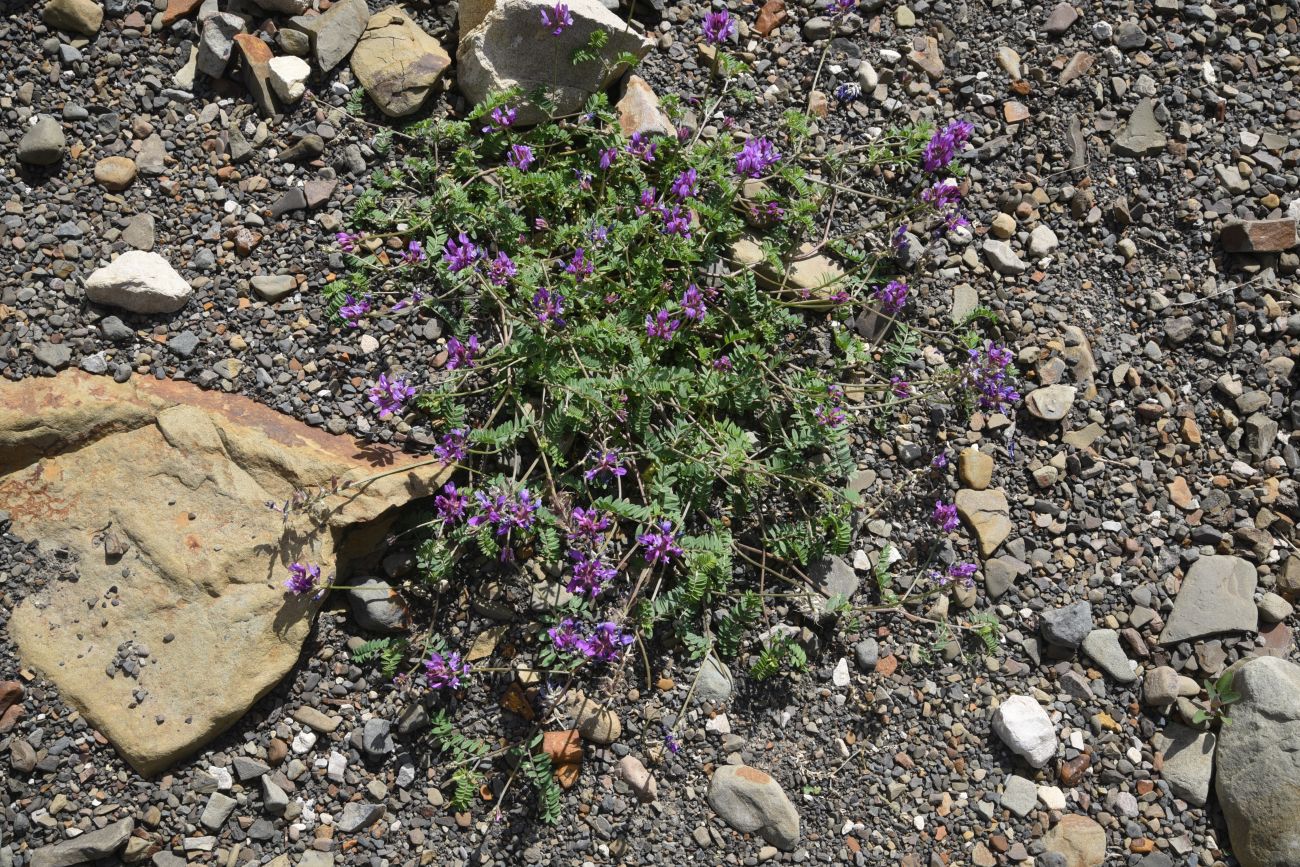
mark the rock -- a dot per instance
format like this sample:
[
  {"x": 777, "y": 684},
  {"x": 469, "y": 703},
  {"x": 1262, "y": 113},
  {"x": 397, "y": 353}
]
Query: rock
[
  {"x": 638, "y": 779},
  {"x": 497, "y": 52},
  {"x": 1188, "y": 762},
  {"x": 1042, "y": 242},
  {"x": 376, "y": 606},
  {"x": 1218, "y": 595},
  {"x": 217, "y": 43},
  {"x": 1274, "y": 609},
  {"x": 87, "y": 847},
  {"x": 1061, "y": 18},
  {"x": 316, "y": 719},
  {"x": 1002, "y": 258},
  {"x": 1068, "y": 626},
  {"x": 1160, "y": 686},
  {"x": 274, "y": 799},
  {"x": 714, "y": 683},
  {"x": 834, "y": 583},
  {"x": 1142, "y": 135},
  {"x": 308, "y": 147},
  {"x": 398, "y": 63},
  {"x": 43, "y": 143},
  {"x": 1026, "y": 729},
  {"x": 749, "y": 800},
  {"x": 1102, "y": 646},
  {"x": 248, "y": 769},
  {"x": 1261, "y": 433},
  {"x": 639, "y": 110},
  {"x": 1019, "y": 795},
  {"x": 1051, "y": 402},
  {"x": 1257, "y": 763},
  {"x": 140, "y": 282},
  {"x": 152, "y": 158},
  {"x": 867, "y": 653},
  {"x": 359, "y": 815},
  {"x": 55, "y": 355},
  {"x": 115, "y": 173},
  {"x": 139, "y": 233},
  {"x": 274, "y": 287},
  {"x": 987, "y": 514},
  {"x": 376, "y": 742},
  {"x": 288, "y": 76},
  {"x": 333, "y": 35},
  {"x": 255, "y": 71},
  {"x": 771, "y": 16},
  {"x": 1258, "y": 236},
  {"x": 206, "y": 565},
  {"x": 285, "y": 7},
  {"x": 178, "y": 9},
  {"x": 975, "y": 469},
  {"x": 1079, "y": 839},
  {"x": 217, "y": 811},
  {"x": 595, "y": 723},
  {"x": 74, "y": 16}
]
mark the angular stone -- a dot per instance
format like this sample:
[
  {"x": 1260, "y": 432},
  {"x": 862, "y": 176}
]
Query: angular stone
[
  {"x": 376, "y": 606},
  {"x": 771, "y": 16},
  {"x": 1257, "y": 765},
  {"x": 274, "y": 287},
  {"x": 638, "y": 778},
  {"x": 1025, "y": 728},
  {"x": 715, "y": 681},
  {"x": 1003, "y": 259},
  {"x": 178, "y": 9},
  {"x": 1068, "y": 626},
  {"x": 74, "y": 16},
  {"x": 1102, "y": 646},
  {"x": 1217, "y": 596},
  {"x": 206, "y": 559},
  {"x": 397, "y": 62},
  {"x": 1062, "y": 16},
  {"x": 255, "y": 71},
  {"x": 1079, "y": 839},
  {"x": 43, "y": 143},
  {"x": 975, "y": 469},
  {"x": 499, "y": 49},
  {"x": 1019, "y": 795},
  {"x": 988, "y": 516},
  {"x": 1160, "y": 686},
  {"x": 749, "y": 800},
  {"x": 639, "y": 110},
  {"x": 153, "y": 155},
  {"x": 140, "y": 282},
  {"x": 288, "y": 77},
  {"x": 115, "y": 173},
  {"x": 834, "y": 581},
  {"x": 358, "y": 816},
  {"x": 333, "y": 34},
  {"x": 1259, "y": 236},
  {"x": 1188, "y": 762},
  {"x": 1141, "y": 135},
  {"x": 217, "y": 42},
  {"x": 139, "y": 233},
  {"x": 87, "y": 847},
  {"x": 597, "y": 724},
  {"x": 217, "y": 811}
]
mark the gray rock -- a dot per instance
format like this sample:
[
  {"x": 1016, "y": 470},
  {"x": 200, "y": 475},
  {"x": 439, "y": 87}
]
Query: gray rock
[
  {"x": 397, "y": 62},
  {"x": 334, "y": 34},
  {"x": 1218, "y": 595},
  {"x": 139, "y": 232},
  {"x": 1003, "y": 259},
  {"x": 217, "y": 42},
  {"x": 217, "y": 811},
  {"x": 22, "y": 756},
  {"x": 1257, "y": 764},
  {"x": 1142, "y": 135},
  {"x": 1051, "y": 402},
  {"x": 1274, "y": 609},
  {"x": 1042, "y": 242},
  {"x": 1160, "y": 686},
  {"x": 184, "y": 344},
  {"x": 1188, "y": 763},
  {"x": 1068, "y": 626},
  {"x": 376, "y": 606},
  {"x": 358, "y": 815},
  {"x": 140, "y": 282},
  {"x": 867, "y": 654},
  {"x": 834, "y": 582},
  {"x": 274, "y": 287},
  {"x": 152, "y": 158},
  {"x": 43, "y": 143},
  {"x": 274, "y": 799},
  {"x": 376, "y": 740},
  {"x": 1261, "y": 434},
  {"x": 90, "y": 846},
  {"x": 115, "y": 329},
  {"x": 1019, "y": 795},
  {"x": 714, "y": 682},
  {"x": 247, "y": 769},
  {"x": 751, "y": 801},
  {"x": 55, "y": 355},
  {"x": 1102, "y": 646}
]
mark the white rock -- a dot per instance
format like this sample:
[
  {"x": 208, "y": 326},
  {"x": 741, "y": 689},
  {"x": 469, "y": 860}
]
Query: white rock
[
  {"x": 289, "y": 76},
  {"x": 303, "y": 742},
  {"x": 338, "y": 763},
  {"x": 1052, "y": 797},
  {"x": 140, "y": 282},
  {"x": 638, "y": 779},
  {"x": 1042, "y": 242},
  {"x": 840, "y": 676},
  {"x": 1026, "y": 729}
]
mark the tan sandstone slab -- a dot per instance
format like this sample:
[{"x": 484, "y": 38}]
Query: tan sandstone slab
[{"x": 159, "y": 490}]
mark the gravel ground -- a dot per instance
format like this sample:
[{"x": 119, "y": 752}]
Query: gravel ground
[{"x": 1179, "y": 443}]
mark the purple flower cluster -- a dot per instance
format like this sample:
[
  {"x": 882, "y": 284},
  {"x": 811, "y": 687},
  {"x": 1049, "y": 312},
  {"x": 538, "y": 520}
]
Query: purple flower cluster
[
  {"x": 352, "y": 310},
  {"x": 661, "y": 325},
  {"x": 501, "y": 269},
  {"x": 756, "y": 157},
  {"x": 660, "y": 544},
  {"x": 452, "y": 447},
  {"x": 462, "y": 354},
  {"x": 944, "y": 516},
  {"x": 898, "y": 241},
  {"x": 348, "y": 241},
  {"x": 578, "y": 265},
  {"x": 686, "y": 185},
  {"x": 944, "y": 145},
  {"x": 945, "y": 197},
  {"x": 521, "y": 157},
  {"x": 892, "y": 297},
  {"x": 986, "y": 377},
  {"x": 505, "y": 512},
  {"x": 462, "y": 255},
  {"x": 414, "y": 253},
  {"x": 549, "y": 307},
  {"x": 500, "y": 118},
  {"x": 590, "y": 574},
  {"x": 302, "y": 578},
  {"x": 831, "y": 412},
  {"x": 643, "y": 146},
  {"x": 900, "y": 387},
  {"x": 557, "y": 18},
  {"x": 765, "y": 213},
  {"x": 718, "y": 27},
  {"x": 606, "y": 462},
  {"x": 450, "y": 504},
  {"x": 604, "y": 643},
  {"x": 693, "y": 303},
  {"x": 444, "y": 672},
  {"x": 607, "y": 158},
  {"x": 676, "y": 220},
  {"x": 390, "y": 395},
  {"x": 848, "y": 92}
]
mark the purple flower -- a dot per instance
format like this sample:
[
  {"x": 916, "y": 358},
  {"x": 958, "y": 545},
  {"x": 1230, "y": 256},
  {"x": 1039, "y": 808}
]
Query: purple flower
[
  {"x": 348, "y": 241},
  {"x": 892, "y": 297},
  {"x": 900, "y": 387},
  {"x": 589, "y": 527},
  {"x": 414, "y": 298},
  {"x": 722, "y": 363},
  {"x": 599, "y": 234},
  {"x": 683, "y": 134},
  {"x": 450, "y": 504},
  {"x": 756, "y": 157},
  {"x": 641, "y": 145},
  {"x": 605, "y": 643},
  {"x": 670, "y": 741},
  {"x": 302, "y": 578},
  {"x": 578, "y": 265},
  {"x": 686, "y": 185},
  {"x": 414, "y": 253},
  {"x": 501, "y": 269},
  {"x": 352, "y": 310},
  {"x": 502, "y": 117},
  {"x": 939, "y": 461},
  {"x": 945, "y": 516},
  {"x": 718, "y": 27},
  {"x": 590, "y": 574},
  {"x": 942, "y": 195},
  {"x": 460, "y": 256},
  {"x": 565, "y": 635},
  {"x": 452, "y": 447},
  {"x": 462, "y": 354},
  {"x": 848, "y": 92},
  {"x": 646, "y": 201},
  {"x": 962, "y": 572},
  {"x": 390, "y": 395},
  {"x": 444, "y": 673},
  {"x": 839, "y": 7},
  {"x": 661, "y": 325},
  {"x": 606, "y": 462},
  {"x": 584, "y": 178},
  {"x": 676, "y": 221},
  {"x": 944, "y": 144},
  {"x": 556, "y": 18},
  {"x": 985, "y": 377},
  {"x": 661, "y": 544},
  {"x": 693, "y": 303},
  {"x": 898, "y": 241},
  {"x": 549, "y": 306},
  {"x": 505, "y": 512},
  {"x": 829, "y": 415},
  {"x": 607, "y": 157},
  {"x": 521, "y": 157}
]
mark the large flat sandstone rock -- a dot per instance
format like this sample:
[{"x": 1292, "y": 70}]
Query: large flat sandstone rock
[{"x": 180, "y": 478}]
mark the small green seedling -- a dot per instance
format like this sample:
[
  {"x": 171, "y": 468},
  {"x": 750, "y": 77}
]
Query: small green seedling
[{"x": 1220, "y": 694}]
